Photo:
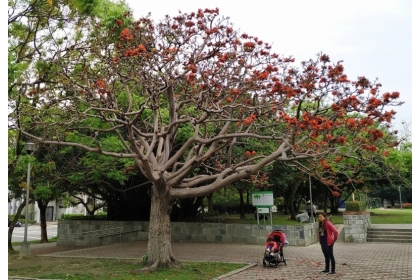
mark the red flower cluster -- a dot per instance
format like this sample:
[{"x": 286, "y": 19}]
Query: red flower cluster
[
  {"x": 100, "y": 84},
  {"x": 249, "y": 120},
  {"x": 136, "y": 51},
  {"x": 234, "y": 91},
  {"x": 249, "y": 46},
  {"x": 248, "y": 153},
  {"x": 376, "y": 134},
  {"x": 371, "y": 148},
  {"x": 336, "y": 194},
  {"x": 324, "y": 58},
  {"x": 126, "y": 35}
]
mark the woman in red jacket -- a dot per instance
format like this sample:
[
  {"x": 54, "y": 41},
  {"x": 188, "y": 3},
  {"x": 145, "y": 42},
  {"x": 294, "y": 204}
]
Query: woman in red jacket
[{"x": 327, "y": 235}]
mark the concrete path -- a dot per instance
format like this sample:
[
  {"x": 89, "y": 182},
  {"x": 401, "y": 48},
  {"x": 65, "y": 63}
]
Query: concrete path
[{"x": 353, "y": 260}]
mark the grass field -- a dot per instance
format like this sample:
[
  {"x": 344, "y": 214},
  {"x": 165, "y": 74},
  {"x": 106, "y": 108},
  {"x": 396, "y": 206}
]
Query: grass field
[
  {"x": 391, "y": 216},
  {"x": 378, "y": 216},
  {"x": 99, "y": 269}
]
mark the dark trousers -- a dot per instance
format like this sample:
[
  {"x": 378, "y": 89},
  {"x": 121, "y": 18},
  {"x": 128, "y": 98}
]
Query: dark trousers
[
  {"x": 329, "y": 256},
  {"x": 313, "y": 215}
]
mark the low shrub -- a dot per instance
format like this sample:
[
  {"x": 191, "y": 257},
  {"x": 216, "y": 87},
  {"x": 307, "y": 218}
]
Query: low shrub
[
  {"x": 82, "y": 217},
  {"x": 22, "y": 219},
  {"x": 355, "y": 205}
]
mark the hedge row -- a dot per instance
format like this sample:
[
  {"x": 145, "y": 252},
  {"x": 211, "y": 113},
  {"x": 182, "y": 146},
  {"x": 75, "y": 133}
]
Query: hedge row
[{"x": 100, "y": 216}]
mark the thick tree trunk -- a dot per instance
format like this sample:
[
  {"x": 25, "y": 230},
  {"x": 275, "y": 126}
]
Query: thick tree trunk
[
  {"x": 12, "y": 225},
  {"x": 290, "y": 204},
  {"x": 42, "y": 205},
  {"x": 241, "y": 199},
  {"x": 247, "y": 202},
  {"x": 285, "y": 207},
  {"x": 159, "y": 250},
  {"x": 326, "y": 200},
  {"x": 210, "y": 202},
  {"x": 334, "y": 205}
]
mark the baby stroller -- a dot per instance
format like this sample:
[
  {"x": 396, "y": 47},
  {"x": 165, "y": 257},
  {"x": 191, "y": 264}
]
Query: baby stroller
[{"x": 277, "y": 257}]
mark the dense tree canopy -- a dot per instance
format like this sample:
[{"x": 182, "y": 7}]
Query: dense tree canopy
[{"x": 37, "y": 32}]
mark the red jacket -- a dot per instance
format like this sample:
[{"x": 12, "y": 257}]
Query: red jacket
[{"x": 331, "y": 232}]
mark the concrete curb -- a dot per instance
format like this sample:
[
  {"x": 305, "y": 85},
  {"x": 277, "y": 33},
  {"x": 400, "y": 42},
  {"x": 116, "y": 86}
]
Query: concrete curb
[{"x": 235, "y": 271}]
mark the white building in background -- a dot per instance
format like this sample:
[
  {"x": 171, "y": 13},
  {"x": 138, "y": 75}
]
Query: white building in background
[{"x": 54, "y": 210}]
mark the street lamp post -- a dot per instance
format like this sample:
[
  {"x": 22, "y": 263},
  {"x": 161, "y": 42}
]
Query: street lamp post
[
  {"x": 24, "y": 248},
  {"x": 311, "y": 218},
  {"x": 399, "y": 189}
]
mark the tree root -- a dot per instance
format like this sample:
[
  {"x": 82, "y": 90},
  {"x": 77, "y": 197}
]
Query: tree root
[{"x": 151, "y": 267}]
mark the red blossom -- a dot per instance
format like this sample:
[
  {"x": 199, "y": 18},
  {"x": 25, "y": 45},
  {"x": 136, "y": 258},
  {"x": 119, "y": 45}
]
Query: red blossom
[
  {"x": 189, "y": 24},
  {"x": 386, "y": 153},
  {"x": 126, "y": 35},
  {"x": 249, "y": 46},
  {"x": 100, "y": 84},
  {"x": 234, "y": 91},
  {"x": 324, "y": 58},
  {"x": 141, "y": 48}
]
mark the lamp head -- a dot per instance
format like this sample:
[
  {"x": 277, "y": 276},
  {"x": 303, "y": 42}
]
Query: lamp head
[{"x": 29, "y": 147}]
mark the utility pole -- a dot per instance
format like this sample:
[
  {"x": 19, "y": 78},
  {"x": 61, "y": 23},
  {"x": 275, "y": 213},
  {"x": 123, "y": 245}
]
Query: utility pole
[{"x": 399, "y": 189}]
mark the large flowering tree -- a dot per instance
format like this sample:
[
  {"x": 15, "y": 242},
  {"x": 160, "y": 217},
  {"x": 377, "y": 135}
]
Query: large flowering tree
[{"x": 179, "y": 95}]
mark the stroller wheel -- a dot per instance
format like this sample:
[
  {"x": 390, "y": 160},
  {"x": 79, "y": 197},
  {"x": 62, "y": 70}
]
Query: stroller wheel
[
  {"x": 264, "y": 263},
  {"x": 285, "y": 262}
]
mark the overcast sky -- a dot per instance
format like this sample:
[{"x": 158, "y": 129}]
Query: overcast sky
[{"x": 373, "y": 38}]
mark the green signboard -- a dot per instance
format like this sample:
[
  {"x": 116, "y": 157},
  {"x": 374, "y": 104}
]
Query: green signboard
[{"x": 263, "y": 198}]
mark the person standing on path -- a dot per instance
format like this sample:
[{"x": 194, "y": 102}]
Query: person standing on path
[
  {"x": 385, "y": 204},
  {"x": 327, "y": 235}
]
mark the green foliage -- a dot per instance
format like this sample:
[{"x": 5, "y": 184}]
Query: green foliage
[
  {"x": 145, "y": 258},
  {"x": 21, "y": 219},
  {"x": 225, "y": 195},
  {"x": 43, "y": 191},
  {"x": 355, "y": 205},
  {"x": 82, "y": 217}
]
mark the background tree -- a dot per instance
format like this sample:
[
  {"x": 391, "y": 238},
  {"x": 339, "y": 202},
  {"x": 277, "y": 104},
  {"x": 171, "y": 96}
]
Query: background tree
[
  {"x": 37, "y": 32},
  {"x": 194, "y": 74}
]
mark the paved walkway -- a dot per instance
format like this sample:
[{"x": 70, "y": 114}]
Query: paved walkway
[{"x": 353, "y": 260}]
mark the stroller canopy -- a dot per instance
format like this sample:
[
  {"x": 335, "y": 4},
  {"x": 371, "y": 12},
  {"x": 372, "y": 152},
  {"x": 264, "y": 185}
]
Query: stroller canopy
[{"x": 279, "y": 236}]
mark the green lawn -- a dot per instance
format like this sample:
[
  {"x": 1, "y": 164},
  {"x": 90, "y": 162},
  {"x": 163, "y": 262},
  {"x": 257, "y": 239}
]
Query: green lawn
[
  {"x": 378, "y": 216},
  {"x": 98, "y": 269},
  {"x": 391, "y": 216}
]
